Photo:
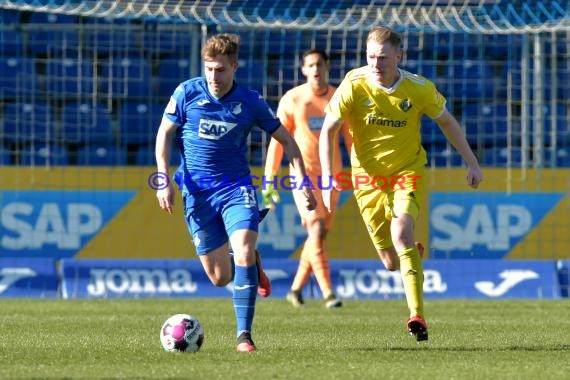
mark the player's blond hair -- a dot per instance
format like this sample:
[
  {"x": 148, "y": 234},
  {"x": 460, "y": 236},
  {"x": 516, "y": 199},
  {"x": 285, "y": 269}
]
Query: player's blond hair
[
  {"x": 222, "y": 44},
  {"x": 383, "y": 34}
]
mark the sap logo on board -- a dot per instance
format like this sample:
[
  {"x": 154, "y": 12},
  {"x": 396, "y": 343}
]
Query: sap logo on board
[
  {"x": 484, "y": 225},
  {"x": 54, "y": 223},
  {"x": 355, "y": 283},
  {"x": 140, "y": 281}
]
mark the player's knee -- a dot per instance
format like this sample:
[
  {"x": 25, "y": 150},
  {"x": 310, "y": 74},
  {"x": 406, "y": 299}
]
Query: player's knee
[{"x": 220, "y": 280}]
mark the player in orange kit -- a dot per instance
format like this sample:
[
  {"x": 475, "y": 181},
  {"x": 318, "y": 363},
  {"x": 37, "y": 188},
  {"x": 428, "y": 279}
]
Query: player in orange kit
[{"x": 301, "y": 111}]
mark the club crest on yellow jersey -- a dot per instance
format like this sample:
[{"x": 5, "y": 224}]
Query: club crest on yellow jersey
[{"x": 405, "y": 105}]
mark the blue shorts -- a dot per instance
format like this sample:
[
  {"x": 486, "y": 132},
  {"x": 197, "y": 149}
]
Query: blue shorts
[{"x": 212, "y": 215}]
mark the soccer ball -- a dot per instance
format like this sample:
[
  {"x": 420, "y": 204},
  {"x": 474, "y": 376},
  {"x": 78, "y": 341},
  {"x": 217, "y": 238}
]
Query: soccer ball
[{"x": 181, "y": 333}]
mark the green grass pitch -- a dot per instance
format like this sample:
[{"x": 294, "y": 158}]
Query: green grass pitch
[{"x": 119, "y": 339}]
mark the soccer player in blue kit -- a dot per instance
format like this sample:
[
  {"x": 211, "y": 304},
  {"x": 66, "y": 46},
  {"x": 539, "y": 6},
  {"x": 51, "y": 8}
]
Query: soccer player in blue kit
[{"x": 210, "y": 118}]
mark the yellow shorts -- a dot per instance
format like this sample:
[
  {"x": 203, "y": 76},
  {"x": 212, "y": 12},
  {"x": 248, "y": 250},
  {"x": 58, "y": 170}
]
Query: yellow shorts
[{"x": 379, "y": 205}]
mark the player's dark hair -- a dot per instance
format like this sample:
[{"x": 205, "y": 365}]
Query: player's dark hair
[
  {"x": 320, "y": 52},
  {"x": 383, "y": 34},
  {"x": 224, "y": 44}
]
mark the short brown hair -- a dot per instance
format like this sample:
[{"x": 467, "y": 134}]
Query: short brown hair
[
  {"x": 382, "y": 34},
  {"x": 224, "y": 44}
]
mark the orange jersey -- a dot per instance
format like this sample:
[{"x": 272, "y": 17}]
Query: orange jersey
[{"x": 301, "y": 111}]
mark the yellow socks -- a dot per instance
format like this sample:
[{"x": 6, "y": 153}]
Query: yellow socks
[{"x": 411, "y": 267}]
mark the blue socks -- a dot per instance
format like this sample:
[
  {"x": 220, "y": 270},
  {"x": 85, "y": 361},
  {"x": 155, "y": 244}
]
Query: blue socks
[{"x": 245, "y": 294}]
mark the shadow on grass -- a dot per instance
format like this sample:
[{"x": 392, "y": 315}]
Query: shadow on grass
[{"x": 426, "y": 346}]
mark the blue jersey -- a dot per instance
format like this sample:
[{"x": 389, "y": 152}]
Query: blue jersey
[{"x": 212, "y": 133}]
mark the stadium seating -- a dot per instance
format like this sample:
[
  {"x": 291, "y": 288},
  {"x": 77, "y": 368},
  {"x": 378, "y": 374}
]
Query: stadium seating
[
  {"x": 86, "y": 123},
  {"x": 559, "y": 158},
  {"x": 43, "y": 154},
  {"x": 138, "y": 122},
  {"x": 171, "y": 72},
  {"x": 431, "y": 133},
  {"x": 502, "y": 157},
  {"x": 102, "y": 155},
  {"x": 126, "y": 77},
  {"x": 164, "y": 41},
  {"x": 145, "y": 156},
  {"x": 70, "y": 77},
  {"x": 471, "y": 79},
  {"x": 443, "y": 155},
  {"x": 111, "y": 36},
  {"x": 10, "y": 17},
  {"x": 18, "y": 79},
  {"x": 10, "y": 43},
  {"x": 427, "y": 69},
  {"x": 5, "y": 156},
  {"x": 52, "y": 33},
  {"x": 487, "y": 124},
  {"x": 28, "y": 122}
]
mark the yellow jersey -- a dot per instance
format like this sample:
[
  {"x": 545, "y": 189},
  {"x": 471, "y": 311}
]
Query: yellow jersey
[{"x": 385, "y": 122}]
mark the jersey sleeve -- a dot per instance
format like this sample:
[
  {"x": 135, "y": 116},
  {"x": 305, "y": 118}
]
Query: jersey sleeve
[
  {"x": 266, "y": 118},
  {"x": 341, "y": 100},
  {"x": 175, "y": 108},
  {"x": 435, "y": 102}
]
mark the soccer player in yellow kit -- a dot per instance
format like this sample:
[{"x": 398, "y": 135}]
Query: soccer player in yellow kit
[
  {"x": 384, "y": 105},
  {"x": 301, "y": 111}
]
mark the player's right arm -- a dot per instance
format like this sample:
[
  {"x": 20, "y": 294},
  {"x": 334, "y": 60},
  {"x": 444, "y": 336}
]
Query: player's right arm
[
  {"x": 272, "y": 163},
  {"x": 162, "y": 151},
  {"x": 293, "y": 154},
  {"x": 327, "y": 138}
]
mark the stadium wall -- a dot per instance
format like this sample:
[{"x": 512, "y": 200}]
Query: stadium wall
[{"x": 111, "y": 212}]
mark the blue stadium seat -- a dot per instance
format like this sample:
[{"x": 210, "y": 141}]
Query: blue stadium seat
[
  {"x": 102, "y": 155},
  {"x": 70, "y": 77},
  {"x": 139, "y": 122},
  {"x": 44, "y": 154},
  {"x": 85, "y": 123},
  {"x": 443, "y": 155},
  {"x": 424, "y": 68},
  {"x": 17, "y": 77},
  {"x": 171, "y": 72},
  {"x": 126, "y": 77},
  {"x": 28, "y": 122},
  {"x": 10, "y": 43},
  {"x": 560, "y": 158},
  {"x": 175, "y": 43},
  {"x": 502, "y": 157},
  {"x": 10, "y": 17},
  {"x": 52, "y": 33},
  {"x": 111, "y": 36},
  {"x": 471, "y": 79},
  {"x": 487, "y": 124},
  {"x": 431, "y": 133},
  {"x": 5, "y": 156},
  {"x": 562, "y": 126},
  {"x": 145, "y": 156}
]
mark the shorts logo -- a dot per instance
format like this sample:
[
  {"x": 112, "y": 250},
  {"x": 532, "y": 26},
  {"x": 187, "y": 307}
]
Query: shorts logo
[
  {"x": 197, "y": 240},
  {"x": 214, "y": 129}
]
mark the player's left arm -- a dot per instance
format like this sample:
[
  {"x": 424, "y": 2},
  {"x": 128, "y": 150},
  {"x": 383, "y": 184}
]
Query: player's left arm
[{"x": 452, "y": 131}]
